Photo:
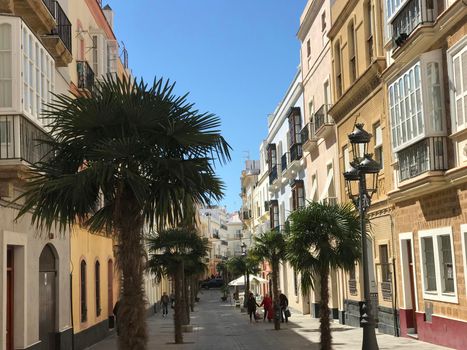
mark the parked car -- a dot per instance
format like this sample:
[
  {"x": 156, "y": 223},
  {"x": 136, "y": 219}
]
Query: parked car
[{"x": 212, "y": 283}]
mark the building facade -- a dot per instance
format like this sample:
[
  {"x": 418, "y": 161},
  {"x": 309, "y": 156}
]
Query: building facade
[
  {"x": 425, "y": 86},
  {"x": 35, "y": 50}
]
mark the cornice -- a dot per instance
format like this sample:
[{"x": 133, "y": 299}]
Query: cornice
[
  {"x": 310, "y": 16},
  {"x": 340, "y": 20},
  {"x": 363, "y": 87}
]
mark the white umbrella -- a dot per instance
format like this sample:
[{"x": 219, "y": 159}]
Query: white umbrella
[{"x": 241, "y": 280}]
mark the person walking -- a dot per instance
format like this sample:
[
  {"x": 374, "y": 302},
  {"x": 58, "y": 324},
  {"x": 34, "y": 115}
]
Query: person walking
[
  {"x": 284, "y": 305},
  {"x": 267, "y": 305},
  {"x": 251, "y": 306},
  {"x": 165, "y": 304}
]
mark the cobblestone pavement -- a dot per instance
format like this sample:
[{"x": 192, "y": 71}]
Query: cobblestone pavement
[{"x": 219, "y": 325}]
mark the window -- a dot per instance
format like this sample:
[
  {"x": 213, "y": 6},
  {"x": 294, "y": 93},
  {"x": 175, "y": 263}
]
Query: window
[
  {"x": 6, "y": 89},
  {"x": 314, "y": 188},
  {"x": 384, "y": 262},
  {"x": 438, "y": 269},
  {"x": 369, "y": 24},
  {"x": 83, "y": 289},
  {"x": 95, "y": 58},
  {"x": 457, "y": 58},
  {"x": 308, "y": 48},
  {"x": 98, "y": 288},
  {"x": 323, "y": 21},
  {"x": 298, "y": 195},
  {"x": 274, "y": 214},
  {"x": 412, "y": 117},
  {"x": 295, "y": 125},
  {"x": 352, "y": 52},
  {"x": 112, "y": 56},
  {"x": 464, "y": 248},
  {"x": 337, "y": 69},
  {"x": 272, "y": 156},
  {"x": 378, "y": 144},
  {"x": 346, "y": 158}
]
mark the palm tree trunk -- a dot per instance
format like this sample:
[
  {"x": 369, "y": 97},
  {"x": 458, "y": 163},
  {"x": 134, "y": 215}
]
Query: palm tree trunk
[
  {"x": 131, "y": 314},
  {"x": 178, "y": 310},
  {"x": 325, "y": 328},
  {"x": 275, "y": 290},
  {"x": 192, "y": 294}
]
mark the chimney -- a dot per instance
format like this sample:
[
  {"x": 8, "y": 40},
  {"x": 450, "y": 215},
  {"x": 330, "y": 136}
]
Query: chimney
[{"x": 109, "y": 15}]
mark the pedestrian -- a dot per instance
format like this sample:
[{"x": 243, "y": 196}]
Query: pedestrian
[
  {"x": 284, "y": 305},
  {"x": 267, "y": 305},
  {"x": 165, "y": 304},
  {"x": 251, "y": 306},
  {"x": 115, "y": 312}
]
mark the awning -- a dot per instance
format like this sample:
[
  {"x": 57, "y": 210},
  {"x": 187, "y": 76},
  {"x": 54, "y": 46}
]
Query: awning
[{"x": 241, "y": 280}]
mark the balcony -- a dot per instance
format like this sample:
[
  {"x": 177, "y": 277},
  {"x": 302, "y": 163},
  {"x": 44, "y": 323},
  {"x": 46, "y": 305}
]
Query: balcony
[
  {"x": 85, "y": 76},
  {"x": 309, "y": 141},
  {"x": 273, "y": 174},
  {"x": 296, "y": 152},
  {"x": 323, "y": 124},
  {"x": 20, "y": 144},
  {"x": 224, "y": 242},
  {"x": 246, "y": 215},
  {"x": 38, "y": 14},
  {"x": 58, "y": 40},
  {"x": 414, "y": 14},
  {"x": 430, "y": 154}
]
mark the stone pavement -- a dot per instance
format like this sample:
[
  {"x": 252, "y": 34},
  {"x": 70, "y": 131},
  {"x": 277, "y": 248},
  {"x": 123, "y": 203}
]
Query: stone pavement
[{"x": 219, "y": 325}]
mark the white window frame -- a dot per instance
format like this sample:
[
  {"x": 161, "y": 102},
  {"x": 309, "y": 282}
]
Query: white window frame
[
  {"x": 457, "y": 49},
  {"x": 464, "y": 250},
  {"x": 408, "y": 236},
  {"x": 438, "y": 295},
  {"x": 395, "y": 109}
]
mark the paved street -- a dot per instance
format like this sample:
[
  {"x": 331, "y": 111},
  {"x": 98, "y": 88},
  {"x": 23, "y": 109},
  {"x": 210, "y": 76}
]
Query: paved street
[{"x": 219, "y": 325}]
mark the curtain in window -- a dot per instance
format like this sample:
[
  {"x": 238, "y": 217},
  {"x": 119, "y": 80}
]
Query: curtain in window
[{"x": 5, "y": 66}]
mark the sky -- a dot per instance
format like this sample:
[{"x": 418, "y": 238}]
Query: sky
[{"x": 236, "y": 58}]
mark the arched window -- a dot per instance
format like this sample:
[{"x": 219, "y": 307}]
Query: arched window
[
  {"x": 98, "y": 288},
  {"x": 83, "y": 300},
  {"x": 5, "y": 66},
  {"x": 352, "y": 52}
]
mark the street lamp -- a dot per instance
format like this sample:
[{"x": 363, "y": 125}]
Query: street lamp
[{"x": 364, "y": 171}]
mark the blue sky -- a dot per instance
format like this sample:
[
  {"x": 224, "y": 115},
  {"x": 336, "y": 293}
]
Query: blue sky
[{"x": 235, "y": 57}]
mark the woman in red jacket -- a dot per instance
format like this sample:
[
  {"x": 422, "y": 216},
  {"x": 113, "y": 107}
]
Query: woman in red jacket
[{"x": 267, "y": 304}]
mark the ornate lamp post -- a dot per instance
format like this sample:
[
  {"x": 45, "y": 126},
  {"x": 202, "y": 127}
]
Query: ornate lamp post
[{"x": 364, "y": 170}]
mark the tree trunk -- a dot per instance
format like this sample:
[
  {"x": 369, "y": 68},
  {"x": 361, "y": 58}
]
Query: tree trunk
[
  {"x": 275, "y": 291},
  {"x": 178, "y": 310},
  {"x": 325, "y": 329},
  {"x": 192, "y": 294},
  {"x": 131, "y": 313},
  {"x": 186, "y": 301}
]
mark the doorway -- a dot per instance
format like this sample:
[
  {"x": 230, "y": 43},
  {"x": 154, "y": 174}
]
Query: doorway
[
  {"x": 47, "y": 298},
  {"x": 110, "y": 293},
  {"x": 10, "y": 292},
  {"x": 409, "y": 287}
]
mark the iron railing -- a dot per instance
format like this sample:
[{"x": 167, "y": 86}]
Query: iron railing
[
  {"x": 430, "y": 154},
  {"x": 273, "y": 174},
  {"x": 85, "y": 75},
  {"x": 50, "y": 4},
  {"x": 295, "y": 152},
  {"x": 63, "y": 29},
  {"x": 386, "y": 290},
  {"x": 321, "y": 117},
  {"x": 305, "y": 133},
  {"x": 414, "y": 13},
  {"x": 353, "y": 287},
  {"x": 330, "y": 200},
  {"x": 22, "y": 140}
]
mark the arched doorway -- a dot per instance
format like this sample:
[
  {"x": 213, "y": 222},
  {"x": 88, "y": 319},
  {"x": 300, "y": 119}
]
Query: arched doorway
[{"x": 47, "y": 298}]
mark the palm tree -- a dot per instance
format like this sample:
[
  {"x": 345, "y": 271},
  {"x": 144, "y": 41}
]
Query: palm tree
[
  {"x": 271, "y": 247},
  {"x": 169, "y": 252},
  {"x": 323, "y": 237},
  {"x": 139, "y": 154},
  {"x": 243, "y": 265}
]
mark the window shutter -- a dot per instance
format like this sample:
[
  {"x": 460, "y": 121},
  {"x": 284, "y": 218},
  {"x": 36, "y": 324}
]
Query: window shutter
[{"x": 112, "y": 56}]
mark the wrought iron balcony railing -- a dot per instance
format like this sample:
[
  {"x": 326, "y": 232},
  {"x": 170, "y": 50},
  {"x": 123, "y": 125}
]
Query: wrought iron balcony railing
[
  {"x": 321, "y": 118},
  {"x": 50, "y": 4},
  {"x": 305, "y": 133},
  {"x": 63, "y": 29},
  {"x": 21, "y": 140},
  {"x": 430, "y": 154},
  {"x": 296, "y": 152},
  {"x": 85, "y": 75},
  {"x": 330, "y": 200},
  {"x": 414, "y": 13},
  {"x": 273, "y": 174}
]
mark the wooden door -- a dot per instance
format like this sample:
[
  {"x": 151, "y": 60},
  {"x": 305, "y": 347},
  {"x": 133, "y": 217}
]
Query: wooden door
[
  {"x": 412, "y": 284},
  {"x": 47, "y": 299}
]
